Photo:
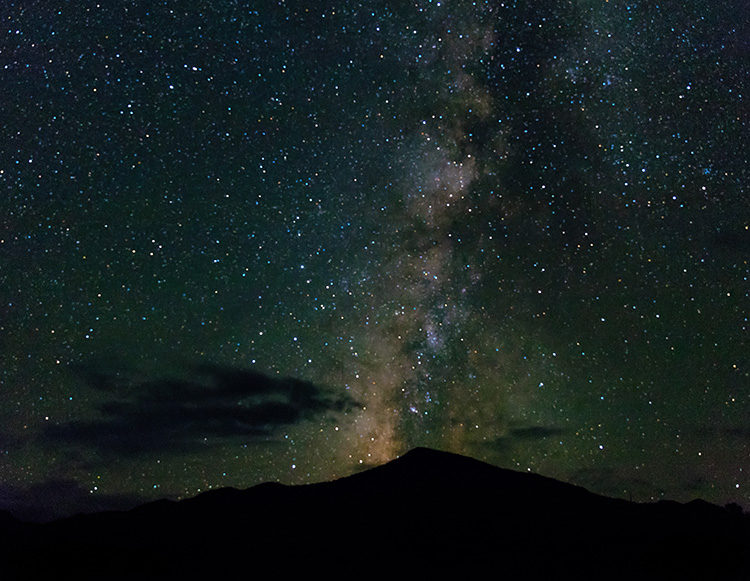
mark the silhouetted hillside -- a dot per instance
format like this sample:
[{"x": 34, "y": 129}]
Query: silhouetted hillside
[{"x": 428, "y": 512}]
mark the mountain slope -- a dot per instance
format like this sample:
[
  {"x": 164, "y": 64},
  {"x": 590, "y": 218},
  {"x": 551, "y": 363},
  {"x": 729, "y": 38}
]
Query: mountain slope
[{"x": 427, "y": 512}]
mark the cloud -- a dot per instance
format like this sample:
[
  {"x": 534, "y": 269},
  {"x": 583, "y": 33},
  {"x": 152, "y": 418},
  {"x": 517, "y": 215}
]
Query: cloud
[
  {"x": 503, "y": 447},
  {"x": 738, "y": 432},
  {"x": 140, "y": 415},
  {"x": 57, "y": 498},
  {"x": 8, "y": 440},
  {"x": 743, "y": 433},
  {"x": 522, "y": 434}
]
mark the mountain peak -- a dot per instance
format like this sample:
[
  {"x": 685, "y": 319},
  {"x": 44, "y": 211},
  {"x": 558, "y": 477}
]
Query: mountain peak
[
  {"x": 447, "y": 512},
  {"x": 422, "y": 454},
  {"x": 430, "y": 458},
  {"x": 427, "y": 467}
]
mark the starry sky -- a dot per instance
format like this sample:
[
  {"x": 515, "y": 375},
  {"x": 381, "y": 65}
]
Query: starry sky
[{"x": 286, "y": 241}]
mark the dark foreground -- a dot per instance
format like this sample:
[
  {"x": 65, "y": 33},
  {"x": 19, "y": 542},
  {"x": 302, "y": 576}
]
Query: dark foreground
[{"x": 429, "y": 513}]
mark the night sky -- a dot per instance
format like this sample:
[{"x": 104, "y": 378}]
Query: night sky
[{"x": 286, "y": 241}]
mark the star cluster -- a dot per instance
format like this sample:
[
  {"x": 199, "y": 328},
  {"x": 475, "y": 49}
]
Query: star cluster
[{"x": 283, "y": 241}]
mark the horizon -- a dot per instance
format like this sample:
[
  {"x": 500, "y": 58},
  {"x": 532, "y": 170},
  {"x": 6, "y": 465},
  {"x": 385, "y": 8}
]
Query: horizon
[
  {"x": 245, "y": 244},
  {"x": 34, "y": 514}
]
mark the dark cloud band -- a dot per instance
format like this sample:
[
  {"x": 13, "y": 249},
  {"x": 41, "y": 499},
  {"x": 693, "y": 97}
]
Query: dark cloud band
[{"x": 215, "y": 404}]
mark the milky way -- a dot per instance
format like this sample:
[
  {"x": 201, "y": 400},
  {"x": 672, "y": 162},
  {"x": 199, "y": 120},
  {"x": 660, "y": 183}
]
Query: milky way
[{"x": 243, "y": 243}]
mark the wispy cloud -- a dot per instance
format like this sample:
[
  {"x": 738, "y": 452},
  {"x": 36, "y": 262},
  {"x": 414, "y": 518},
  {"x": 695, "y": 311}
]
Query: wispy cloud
[{"x": 216, "y": 403}]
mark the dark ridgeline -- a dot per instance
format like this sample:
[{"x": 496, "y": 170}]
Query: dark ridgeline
[{"x": 428, "y": 513}]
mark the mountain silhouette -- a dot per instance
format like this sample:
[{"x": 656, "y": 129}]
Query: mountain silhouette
[{"x": 429, "y": 513}]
